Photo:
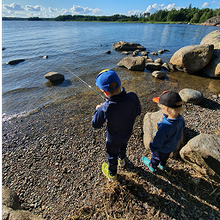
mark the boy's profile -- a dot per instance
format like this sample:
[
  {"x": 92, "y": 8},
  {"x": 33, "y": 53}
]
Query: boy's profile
[
  {"x": 119, "y": 111},
  {"x": 169, "y": 130}
]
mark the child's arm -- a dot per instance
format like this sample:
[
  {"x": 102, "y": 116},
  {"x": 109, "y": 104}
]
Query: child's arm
[
  {"x": 98, "y": 106},
  {"x": 159, "y": 138},
  {"x": 98, "y": 117}
]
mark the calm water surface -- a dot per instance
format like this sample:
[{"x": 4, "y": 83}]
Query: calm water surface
[{"x": 80, "y": 47}]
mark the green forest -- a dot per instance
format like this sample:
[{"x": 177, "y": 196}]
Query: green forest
[{"x": 184, "y": 15}]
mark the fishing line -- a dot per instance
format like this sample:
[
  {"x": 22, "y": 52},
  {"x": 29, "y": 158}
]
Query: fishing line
[{"x": 90, "y": 87}]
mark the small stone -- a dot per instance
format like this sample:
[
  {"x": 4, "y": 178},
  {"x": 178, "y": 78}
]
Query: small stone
[{"x": 159, "y": 74}]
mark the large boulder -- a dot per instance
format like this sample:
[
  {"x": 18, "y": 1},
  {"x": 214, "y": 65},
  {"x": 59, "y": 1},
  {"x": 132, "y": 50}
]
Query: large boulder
[
  {"x": 11, "y": 208},
  {"x": 151, "y": 119},
  {"x": 192, "y": 58},
  {"x": 10, "y": 198},
  {"x": 203, "y": 153},
  {"x": 133, "y": 63},
  {"x": 214, "y": 21},
  {"x": 125, "y": 46},
  {"x": 213, "y": 68},
  {"x": 212, "y": 38},
  {"x": 191, "y": 96}
]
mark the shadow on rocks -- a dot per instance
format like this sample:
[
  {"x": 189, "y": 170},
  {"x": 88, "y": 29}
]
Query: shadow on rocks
[
  {"x": 181, "y": 195},
  {"x": 189, "y": 134},
  {"x": 210, "y": 104},
  {"x": 146, "y": 200}
]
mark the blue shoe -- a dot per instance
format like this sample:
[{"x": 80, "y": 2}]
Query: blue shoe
[
  {"x": 162, "y": 167},
  {"x": 146, "y": 161}
]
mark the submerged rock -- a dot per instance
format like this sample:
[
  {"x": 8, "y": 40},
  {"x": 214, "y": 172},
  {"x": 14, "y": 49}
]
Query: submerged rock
[
  {"x": 125, "y": 46},
  {"x": 159, "y": 74},
  {"x": 54, "y": 77},
  {"x": 133, "y": 63},
  {"x": 14, "y": 62},
  {"x": 153, "y": 66}
]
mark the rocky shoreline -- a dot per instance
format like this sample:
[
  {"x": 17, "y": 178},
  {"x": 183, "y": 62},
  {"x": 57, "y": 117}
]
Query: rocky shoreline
[{"x": 52, "y": 160}]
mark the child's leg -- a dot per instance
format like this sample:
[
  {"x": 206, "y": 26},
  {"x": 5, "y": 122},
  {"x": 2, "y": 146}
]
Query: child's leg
[
  {"x": 122, "y": 151},
  {"x": 155, "y": 159},
  {"x": 163, "y": 158},
  {"x": 112, "y": 154}
]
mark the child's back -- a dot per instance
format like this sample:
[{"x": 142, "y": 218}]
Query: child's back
[
  {"x": 169, "y": 130},
  {"x": 119, "y": 111}
]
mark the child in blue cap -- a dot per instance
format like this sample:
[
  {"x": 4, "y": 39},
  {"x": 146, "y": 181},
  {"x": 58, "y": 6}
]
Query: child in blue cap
[
  {"x": 169, "y": 130},
  {"x": 119, "y": 111}
]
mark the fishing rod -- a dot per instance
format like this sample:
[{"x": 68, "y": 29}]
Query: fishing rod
[{"x": 82, "y": 81}]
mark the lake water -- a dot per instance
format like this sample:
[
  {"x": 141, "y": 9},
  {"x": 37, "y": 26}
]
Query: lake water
[{"x": 80, "y": 47}]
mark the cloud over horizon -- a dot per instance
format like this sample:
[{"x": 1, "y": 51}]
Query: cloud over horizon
[
  {"x": 17, "y": 10},
  {"x": 14, "y": 10},
  {"x": 13, "y": 7},
  {"x": 34, "y": 8},
  {"x": 155, "y": 7}
]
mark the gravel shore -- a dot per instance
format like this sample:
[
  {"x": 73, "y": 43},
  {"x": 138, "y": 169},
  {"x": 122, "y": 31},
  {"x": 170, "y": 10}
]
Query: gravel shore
[{"x": 52, "y": 159}]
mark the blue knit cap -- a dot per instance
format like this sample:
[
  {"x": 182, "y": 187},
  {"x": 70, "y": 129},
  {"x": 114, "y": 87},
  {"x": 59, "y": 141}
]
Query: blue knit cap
[{"x": 105, "y": 78}]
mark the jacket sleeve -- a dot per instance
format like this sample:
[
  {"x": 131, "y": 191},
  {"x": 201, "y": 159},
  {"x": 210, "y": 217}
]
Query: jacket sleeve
[
  {"x": 98, "y": 118},
  {"x": 138, "y": 104},
  {"x": 159, "y": 138}
]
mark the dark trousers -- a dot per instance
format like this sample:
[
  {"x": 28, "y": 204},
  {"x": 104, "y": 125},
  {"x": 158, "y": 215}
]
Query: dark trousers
[
  {"x": 158, "y": 158},
  {"x": 115, "y": 151}
]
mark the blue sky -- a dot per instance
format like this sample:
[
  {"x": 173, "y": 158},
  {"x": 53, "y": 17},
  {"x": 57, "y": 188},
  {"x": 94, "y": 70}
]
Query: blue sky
[{"x": 53, "y": 8}]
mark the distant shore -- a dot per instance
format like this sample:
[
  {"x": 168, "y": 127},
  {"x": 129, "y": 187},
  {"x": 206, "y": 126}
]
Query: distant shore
[{"x": 52, "y": 19}]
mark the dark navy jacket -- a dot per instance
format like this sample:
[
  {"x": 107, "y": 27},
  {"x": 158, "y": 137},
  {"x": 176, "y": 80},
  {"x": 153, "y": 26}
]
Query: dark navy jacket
[
  {"x": 119, "y": 111},
  {"x": 168, "y": 134}
]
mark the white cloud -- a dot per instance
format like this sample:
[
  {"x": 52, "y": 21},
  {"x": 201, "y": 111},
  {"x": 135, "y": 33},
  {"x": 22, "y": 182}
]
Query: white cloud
[
  {"x": 52, "y": 9},
  {"x": 13, "y": 7},
  {"x": 134, "y": 12},
  {"x": 97, "y": 11},
  {"x": 205, "y": 5},
  {"x": 155, "y": 7},
  {"x": 34, "y": 8},
  {"x": 64, "y": 12},
  {"x": 80, "y": 10}
]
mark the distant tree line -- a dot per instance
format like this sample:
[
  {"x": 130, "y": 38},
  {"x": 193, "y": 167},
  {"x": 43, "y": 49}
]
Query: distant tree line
[
  {"x": 184, "y": 15},
  {"x": 116, "y": 17},
  {"x": 13, "y": 18},
  {"x": 39, "y": 19},
  {"x": 188, "y": 15}
]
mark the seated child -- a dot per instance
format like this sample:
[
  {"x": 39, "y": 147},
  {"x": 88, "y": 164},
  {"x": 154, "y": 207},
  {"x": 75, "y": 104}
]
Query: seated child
[{"x": 169, "y": 130}]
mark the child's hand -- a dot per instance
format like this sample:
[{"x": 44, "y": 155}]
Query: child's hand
[{"x": 98, "y": 106}]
